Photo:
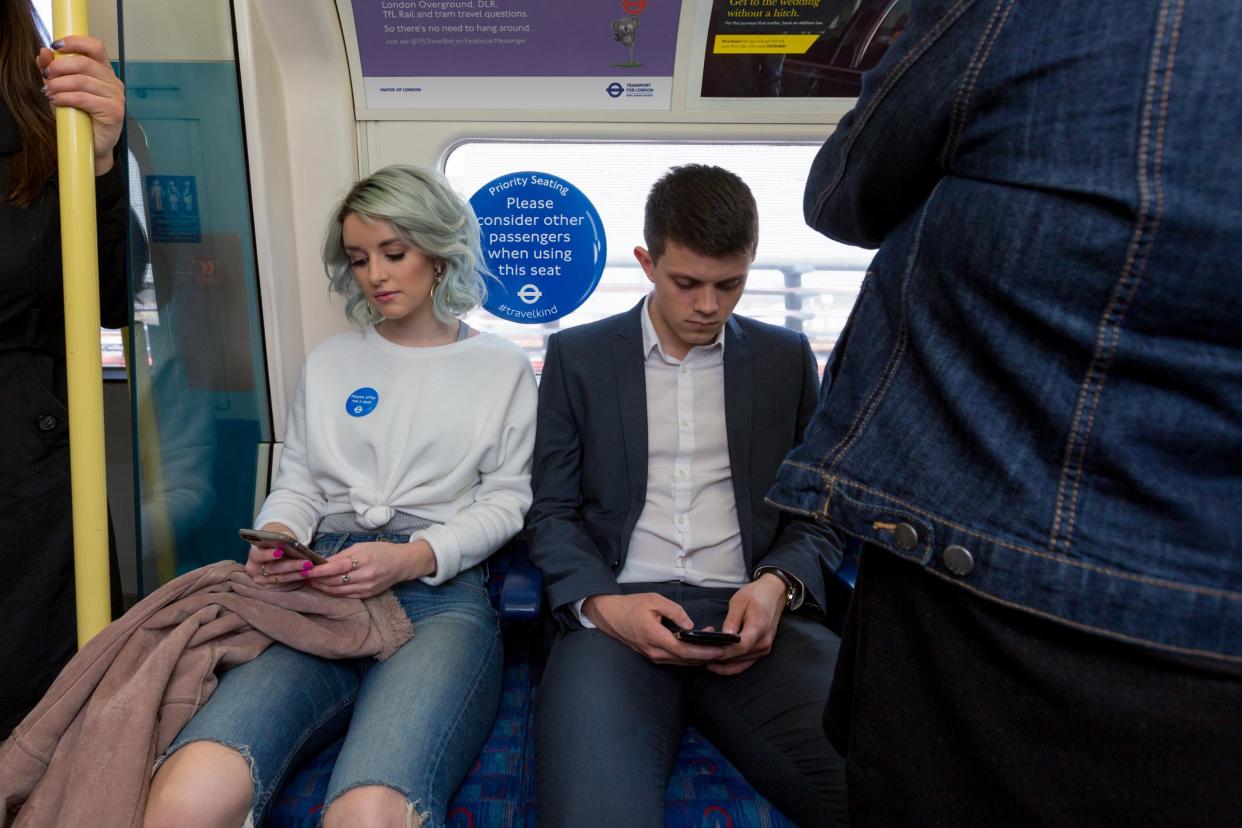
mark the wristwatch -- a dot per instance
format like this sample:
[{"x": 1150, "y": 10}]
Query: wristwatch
[{"x": 794, "y": 590}]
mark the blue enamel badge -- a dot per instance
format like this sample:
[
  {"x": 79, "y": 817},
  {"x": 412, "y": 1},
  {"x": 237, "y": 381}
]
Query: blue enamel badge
[{"x": 362, "y": 402}]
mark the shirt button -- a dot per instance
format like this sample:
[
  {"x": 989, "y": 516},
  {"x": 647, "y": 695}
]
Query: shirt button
[
  {"x": 681, "y": 472},
  {"x": 46, "y": 422},
  {"x": 685, "y": 370},
  {"x": 958, "y": 560},
  {"x": 685, "y": 423},
  {"x": 681, "y": 521},
  {"x": 905, "y": 536}
]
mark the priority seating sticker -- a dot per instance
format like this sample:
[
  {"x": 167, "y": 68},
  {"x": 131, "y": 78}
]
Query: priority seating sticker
[
  {"x": 362, "y": 402},
  {"x": 544, "y": 241}
]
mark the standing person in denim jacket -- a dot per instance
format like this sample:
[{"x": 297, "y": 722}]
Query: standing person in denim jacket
[
  {"x": 407, "y": 459},
  {"x": 1034, "y": 418}
]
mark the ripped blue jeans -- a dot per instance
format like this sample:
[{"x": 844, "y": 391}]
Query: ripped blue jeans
[{"x": 413, "y": 723}]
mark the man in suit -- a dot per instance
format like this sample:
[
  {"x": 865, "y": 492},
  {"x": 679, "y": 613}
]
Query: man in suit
[{"x": 659, "y": 432}]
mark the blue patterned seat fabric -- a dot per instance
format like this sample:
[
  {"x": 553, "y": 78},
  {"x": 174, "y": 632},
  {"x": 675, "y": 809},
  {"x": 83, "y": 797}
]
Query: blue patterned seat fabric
[{"x": 705, "y": 791}]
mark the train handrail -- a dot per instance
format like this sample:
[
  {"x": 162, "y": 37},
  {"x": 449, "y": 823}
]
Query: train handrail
[{"x": 84, "y": 372}]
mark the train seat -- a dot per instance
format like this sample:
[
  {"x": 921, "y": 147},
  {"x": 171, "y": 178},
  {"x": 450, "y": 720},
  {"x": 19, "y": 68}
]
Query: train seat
[{"x": 499, "y": 791}]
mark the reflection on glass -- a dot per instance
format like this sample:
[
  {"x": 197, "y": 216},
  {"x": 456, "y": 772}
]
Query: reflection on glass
[
  {"x": 198, "y": 381},
  {"x": 174, "y": 428}
]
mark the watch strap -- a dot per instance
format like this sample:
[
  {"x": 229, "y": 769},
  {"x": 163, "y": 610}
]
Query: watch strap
[{"x": 794, "y": 590}]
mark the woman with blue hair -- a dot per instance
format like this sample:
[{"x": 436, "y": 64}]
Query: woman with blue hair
[{"x": 407, "y": 463}]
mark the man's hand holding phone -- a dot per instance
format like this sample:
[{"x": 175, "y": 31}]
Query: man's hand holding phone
[
  {"x": 755, "y": 613},
  {"x": 660, "y": 629},
  {"x": 639, "y": 622}
]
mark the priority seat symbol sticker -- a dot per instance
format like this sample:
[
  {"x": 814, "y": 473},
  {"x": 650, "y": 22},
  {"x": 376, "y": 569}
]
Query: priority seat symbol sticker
[
  {"x": 544, "y": 242},
  {"x": 362, "y": 402}
]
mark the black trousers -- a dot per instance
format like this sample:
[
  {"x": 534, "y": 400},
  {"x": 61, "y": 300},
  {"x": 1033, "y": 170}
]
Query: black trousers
[
  {"x": 610, "y": 722},
  {"x": 955, "y": 710}
]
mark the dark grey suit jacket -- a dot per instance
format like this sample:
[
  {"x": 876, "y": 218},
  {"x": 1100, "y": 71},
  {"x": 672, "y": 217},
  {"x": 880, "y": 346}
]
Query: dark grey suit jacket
[{"x": 590, "y": 466}]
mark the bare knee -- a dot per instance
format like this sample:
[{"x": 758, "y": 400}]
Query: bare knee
[
  {"x": 202, "y": 785},
  {"x": 375, "y": 805}
]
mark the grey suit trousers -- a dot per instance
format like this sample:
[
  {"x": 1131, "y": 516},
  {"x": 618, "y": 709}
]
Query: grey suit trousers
[{"x": 609, "y": 722}]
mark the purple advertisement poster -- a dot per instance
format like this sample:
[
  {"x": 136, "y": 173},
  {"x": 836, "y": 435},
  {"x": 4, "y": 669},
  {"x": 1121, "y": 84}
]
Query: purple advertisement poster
[{"x": 517, "y": 54}]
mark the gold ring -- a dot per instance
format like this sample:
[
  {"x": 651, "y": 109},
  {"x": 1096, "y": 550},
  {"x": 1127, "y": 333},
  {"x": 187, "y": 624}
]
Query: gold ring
[
  {"x": 263, "y": 569},
  {"x": 353, "y": 563},
  {"x": 344, "y": 579}
]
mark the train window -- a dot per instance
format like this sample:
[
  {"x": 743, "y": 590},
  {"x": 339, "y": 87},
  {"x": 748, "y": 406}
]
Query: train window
[{"x": 800, "y": 279}]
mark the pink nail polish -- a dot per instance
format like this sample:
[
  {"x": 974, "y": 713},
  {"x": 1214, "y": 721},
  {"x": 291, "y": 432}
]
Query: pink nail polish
[
  {"x": 306, "y": 565},
  {"x": 280, "y": 550},
  {"x": 305, "y": 574}
]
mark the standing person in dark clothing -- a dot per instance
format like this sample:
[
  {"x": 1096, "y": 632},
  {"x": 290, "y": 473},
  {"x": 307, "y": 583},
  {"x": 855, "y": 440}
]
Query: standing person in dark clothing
[
  {"x": 1034, "y": 417},
  {"x": 36, "y": 592}
]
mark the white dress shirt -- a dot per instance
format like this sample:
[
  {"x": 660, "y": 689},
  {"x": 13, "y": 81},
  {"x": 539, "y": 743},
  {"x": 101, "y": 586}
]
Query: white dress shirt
[{"x": 688, "y": 530}]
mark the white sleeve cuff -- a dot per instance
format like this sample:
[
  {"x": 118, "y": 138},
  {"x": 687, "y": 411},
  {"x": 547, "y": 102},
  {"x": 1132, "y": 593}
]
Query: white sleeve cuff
[
  {"x": 447, "y": 552},
  {"x": 582, "y": 619},
  {"x": 297, "y": 526}
]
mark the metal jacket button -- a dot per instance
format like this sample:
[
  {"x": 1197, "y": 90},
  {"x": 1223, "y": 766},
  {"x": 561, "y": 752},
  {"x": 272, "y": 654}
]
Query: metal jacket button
[
  {"x": 958, "y": 560},
  {"x": 905, "y": 536},
  {"x": 46, "y": 422}
]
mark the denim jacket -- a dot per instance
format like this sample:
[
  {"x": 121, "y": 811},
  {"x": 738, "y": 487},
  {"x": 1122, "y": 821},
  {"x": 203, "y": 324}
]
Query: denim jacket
[{"x": 1038, "y": 395}]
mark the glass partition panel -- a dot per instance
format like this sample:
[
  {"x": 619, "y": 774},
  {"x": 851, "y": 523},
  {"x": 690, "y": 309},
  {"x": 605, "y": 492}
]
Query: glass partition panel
[{"x": 202, "y": 424}]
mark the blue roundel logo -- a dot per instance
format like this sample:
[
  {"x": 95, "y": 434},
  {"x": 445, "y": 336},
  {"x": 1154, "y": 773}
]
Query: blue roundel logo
[
  {"x": 543, "y": 239},
  {"x": 615, "y": 89},
  {"x": 362, "y": 402}
]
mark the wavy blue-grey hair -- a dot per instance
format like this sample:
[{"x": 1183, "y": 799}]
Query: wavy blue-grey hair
[{"x": 427, "y": 213}]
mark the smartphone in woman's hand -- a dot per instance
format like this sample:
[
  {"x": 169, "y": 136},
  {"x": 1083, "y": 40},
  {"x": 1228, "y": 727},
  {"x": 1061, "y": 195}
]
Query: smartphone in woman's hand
[{"x": 294, "y": 548}]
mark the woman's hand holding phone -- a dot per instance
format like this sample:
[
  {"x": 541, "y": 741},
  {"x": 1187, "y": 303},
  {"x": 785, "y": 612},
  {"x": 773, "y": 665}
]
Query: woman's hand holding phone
[
  {"x": 268, "y": 563},
  {"x": 367, "y": 569}
]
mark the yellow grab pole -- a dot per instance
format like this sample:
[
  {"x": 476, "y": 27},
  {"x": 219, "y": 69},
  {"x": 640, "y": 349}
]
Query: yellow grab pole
[{"x": 80, "y": 254}]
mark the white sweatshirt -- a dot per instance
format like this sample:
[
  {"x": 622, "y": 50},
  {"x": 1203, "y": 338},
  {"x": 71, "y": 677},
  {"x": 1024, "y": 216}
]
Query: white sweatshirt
[{"x": 443, "y": 433}]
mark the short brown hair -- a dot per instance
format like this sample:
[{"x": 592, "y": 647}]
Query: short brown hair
[{"x": 707, "y": 209}]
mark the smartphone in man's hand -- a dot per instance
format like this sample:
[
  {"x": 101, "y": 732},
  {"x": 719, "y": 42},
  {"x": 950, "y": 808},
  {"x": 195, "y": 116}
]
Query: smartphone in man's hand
[{"x": 710, "y": 638}]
